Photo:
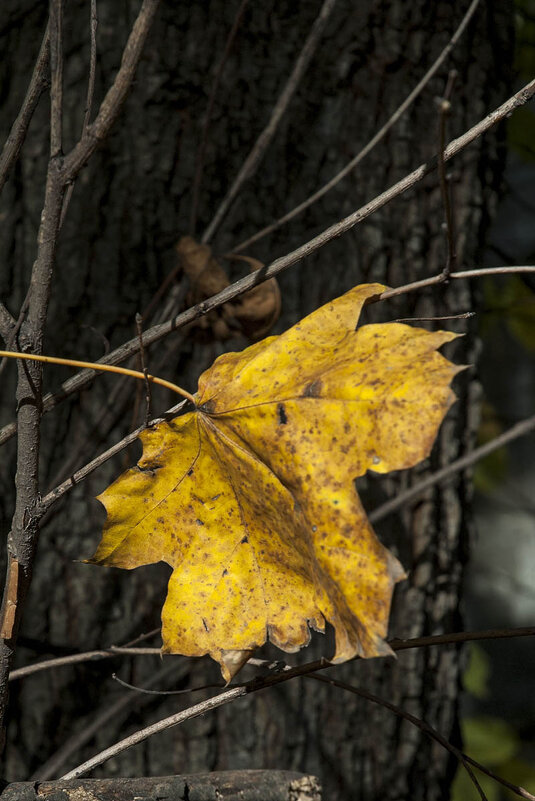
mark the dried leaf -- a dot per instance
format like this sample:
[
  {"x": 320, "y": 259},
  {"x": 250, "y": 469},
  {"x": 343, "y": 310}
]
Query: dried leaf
[
  {"x": 254, "y": 313},
  {"x": 250, "y": 497}
]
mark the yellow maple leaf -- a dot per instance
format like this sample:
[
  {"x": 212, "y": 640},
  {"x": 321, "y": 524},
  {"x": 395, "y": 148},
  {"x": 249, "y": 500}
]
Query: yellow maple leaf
[{"x": 250, "y": 497}]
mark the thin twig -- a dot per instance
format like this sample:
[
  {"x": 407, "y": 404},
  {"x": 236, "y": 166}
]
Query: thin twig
[
  {"x": 38, "y": 83},
  {"x": 111, "y": 105},
  {"x": 430, "y": 731},
  {"x": 143, "y": 734},
  {"x": 146, "y": 691},
  {"x": 109, "y": 711},
  {"x": 93, "y": 23},
  {"x": 221, "y": 699},
  {"x": 373, "y": 141},
  {"x": 418, "y": 722},
  {"x": 396, "y": 645},
  {"x": 22, "y": 540},
  {"x": 450, "y": 470},
  {"x": 56, "y": 71},
  {"x": 23, "y": 536},
  {"x": 442, "y": 318},
  {"x": 76, "y": 659},
  {"x": 259, "y": 148},
  {"x": 144, "y": 369},
  {"x": 92, "y": 65},
  {"x": 425, "y": 283},
  {"x": 199, "y": 159},
  {"x": 16, "y": 328},
  {"x": 99, "y": 460},
  {"x": 106, "y": 368},
  {"x": 444, "y": 110}
]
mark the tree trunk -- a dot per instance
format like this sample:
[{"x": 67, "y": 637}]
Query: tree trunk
[{"x": 129, "y": 207}]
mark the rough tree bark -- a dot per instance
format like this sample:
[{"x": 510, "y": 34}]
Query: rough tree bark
[{"x": 128, "y": 209}]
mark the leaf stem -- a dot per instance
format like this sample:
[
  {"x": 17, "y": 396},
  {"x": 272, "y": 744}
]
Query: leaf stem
[{"x": 106, "y": 368}]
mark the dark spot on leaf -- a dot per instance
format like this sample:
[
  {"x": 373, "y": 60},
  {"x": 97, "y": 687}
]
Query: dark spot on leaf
[
  {"x": 313, "y": 389},
  {"x": 281, "y": 414},
  {"x": 199, "y": 522},
  {"x": 205, "y": 624},
  {"x": 190, "y": 471},
  {"x": 216, "y": 496},
  {"x": 244, "y": 540},
  {"x": 225, "y": 572}
]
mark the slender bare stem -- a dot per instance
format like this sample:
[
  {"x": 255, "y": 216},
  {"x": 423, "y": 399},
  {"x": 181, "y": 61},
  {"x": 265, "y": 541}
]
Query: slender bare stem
[
  {"x": 38, "y": 83},
  {"x": 260, "y": 683},
  {"x": 261, "y": 145},
  {"x": 143, "y": 734},
  {"x": 105, "y": 368},
  {"x": 199, "y": 159},
  {"x": 373, "y": 141},
  {"x": 22, "y": 540},
  {"x": 76, "y": 659},
  {"x": 99, "y": 460},
  {"x": 396, "y": 644},
  {"x": 111, "y": 105},
  {"x": 450, "y": 470},
  {"x": 444, "y": 111},
  {"x": 433, "y": 280},
  {"x": 56, "y": 70},
  {"x": 93, "y": 23},
  {"x": 108, "y": 711},
  {"x": 465, "y": 760},
  {"x": 144, "y": 369}
]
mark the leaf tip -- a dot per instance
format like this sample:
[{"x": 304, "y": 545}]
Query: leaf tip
[{"x": 232, "y": 662}]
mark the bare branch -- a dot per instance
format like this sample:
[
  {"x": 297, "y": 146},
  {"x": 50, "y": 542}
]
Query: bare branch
[
  {"x": 448, "y": 472},
  {"x": 431, "y": 732},
  {"x": 262, "y": 143},
  {"x": 373, "y": 141},
  {"x": 444, "y": 111},
  {"x": 260, "y": 683},
  {"x": 17, "y": 134},
  {"x": 76, "y": 659},
  {"x": 108, "y": 711},
  {"x": 199, "y": 160},
  {"x": 461, "y": 637},
  {"x": 93, "y": 22},
  {"x": 92, "y": 65},
  {"x": 22, "y": 540},
  {"x": 440, "y": 278},
  {"x": 143, "y": 734},
  {"x": 396, "y": 645},
  {"x": 112, "y": 103},
  {"x": 85, "y": 471},
  {"x": 56, "y": 70}
]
